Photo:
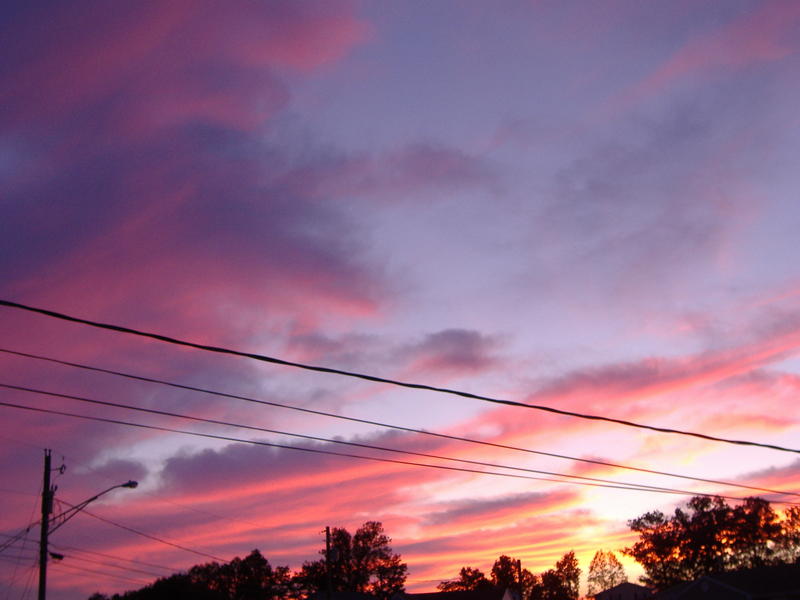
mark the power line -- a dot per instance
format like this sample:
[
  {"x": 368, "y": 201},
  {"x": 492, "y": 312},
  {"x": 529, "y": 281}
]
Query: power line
[
  {"x": 13, "y": 539},
  {"x": 12, "y": 542},
  {"x": 116, "y": 566},
  {"x": 27, "y": 558},
  {"x": 33, "y": 555},
  {"x": 96, "y": 572},
  {"x": 29, "y": 583},
  {"x": 143, "y": 534},
  {"x": 322, "y": 439},
  {"x": 387, "y": 425},
  {"x": 24, "y": 547},
  {"x": 357, "y": 456},
  {"x": 16, "y": 536},
  {"x": 320, "y": 451},
  {"x": 111, "y": 556},
  {"x": 385, "y": 380},
  {"x": 19, "y": 536}
]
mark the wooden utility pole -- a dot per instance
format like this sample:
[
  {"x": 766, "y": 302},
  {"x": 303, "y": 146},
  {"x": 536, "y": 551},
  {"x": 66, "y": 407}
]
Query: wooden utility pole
[
  {"x": 329, "y": 586},
  {"x": 47, "y": 508}
]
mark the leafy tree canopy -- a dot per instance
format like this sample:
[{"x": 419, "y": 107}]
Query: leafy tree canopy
[
  {"x": 709, "y": 535},
  {"x": 249, "y": 578},
  {"x": 507, "y": 573},
  {"x": 468, "y": 579},
  {"x": 363, "y": 562},
  {"x": 561, "y": 583},
  {"x": 605, "y": 571}
]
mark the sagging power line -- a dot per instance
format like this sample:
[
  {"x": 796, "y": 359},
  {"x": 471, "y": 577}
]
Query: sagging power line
[
  {"x": 357, "y": 456},
  {"x": 147, "y": 535},
  {"x": 385, "y": 380},
  {"x": 424, "y": 432},
  {"x": 330, "y": 440}
]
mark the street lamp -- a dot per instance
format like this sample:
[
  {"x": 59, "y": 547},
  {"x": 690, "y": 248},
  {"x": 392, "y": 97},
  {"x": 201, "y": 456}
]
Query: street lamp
[{"x": 48, "y": 492}]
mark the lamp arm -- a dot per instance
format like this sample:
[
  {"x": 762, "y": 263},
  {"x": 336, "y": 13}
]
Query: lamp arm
[
  {"x": 68, "y": 514},
  {"x": 75, "y": 509}
]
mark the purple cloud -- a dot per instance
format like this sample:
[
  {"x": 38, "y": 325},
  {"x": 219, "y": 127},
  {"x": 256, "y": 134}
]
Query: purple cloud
[
  {"x": 486, "y": 510},
  {"x": 454, "y": 351}
]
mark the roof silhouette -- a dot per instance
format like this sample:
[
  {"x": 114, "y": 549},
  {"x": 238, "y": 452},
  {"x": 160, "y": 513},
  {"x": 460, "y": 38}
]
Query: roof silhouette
[{"x": 776, "y": 582}]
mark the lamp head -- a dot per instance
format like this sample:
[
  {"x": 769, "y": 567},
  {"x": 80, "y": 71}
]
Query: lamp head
[{"x": 130, "y": 484}]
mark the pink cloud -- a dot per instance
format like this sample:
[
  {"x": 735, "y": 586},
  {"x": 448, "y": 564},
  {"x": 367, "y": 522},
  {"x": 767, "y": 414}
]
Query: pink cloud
[
  {"x": 539, "y": 542},
  {"x": 764, "y": 34},
  {"x": 781, "y": 478},
  {"x": 623, "y": 383},
  {"x": 151, "y": 116},
  {"x": 497, "y": 512},
  {"x": 724, "y": 392},
  {"x": 99, "y": 49}
]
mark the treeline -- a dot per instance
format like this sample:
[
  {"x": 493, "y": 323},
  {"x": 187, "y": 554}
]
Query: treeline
[
  {"x": 706, "y": 536},
  {"x": 362, "y": 562},
  {"x": 559, "y": 583}
]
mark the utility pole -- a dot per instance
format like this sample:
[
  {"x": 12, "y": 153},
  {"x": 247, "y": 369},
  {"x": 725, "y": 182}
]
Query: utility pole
[
  {"x": 327, "y": 563},
  {"x": 47, "y": 508}
]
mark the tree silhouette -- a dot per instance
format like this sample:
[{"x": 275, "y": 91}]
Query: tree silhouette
[
  {"x": 755, "y": 529},
  {"x": 507, "y": 573},
  {"x": 561, "y": 583},
  {"x": 249, "y": 578},
  {"x": 712, "y": 536},
  {"x": 175, "y": 587},
  {"x": 363, "y": 562},
  {"x": 468, "y": 579},
  {"x": 787, "y": 548},
  {"x": 605, "y": 571},
  {"x": 567, "y": 568}
]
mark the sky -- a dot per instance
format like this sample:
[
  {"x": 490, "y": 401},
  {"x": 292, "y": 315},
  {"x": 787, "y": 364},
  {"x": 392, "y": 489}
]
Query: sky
[{"x": 585, "y": 205}]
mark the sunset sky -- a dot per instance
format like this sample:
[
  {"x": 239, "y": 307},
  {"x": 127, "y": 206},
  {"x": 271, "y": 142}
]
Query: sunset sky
[{"x": 586, "y": 205}]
